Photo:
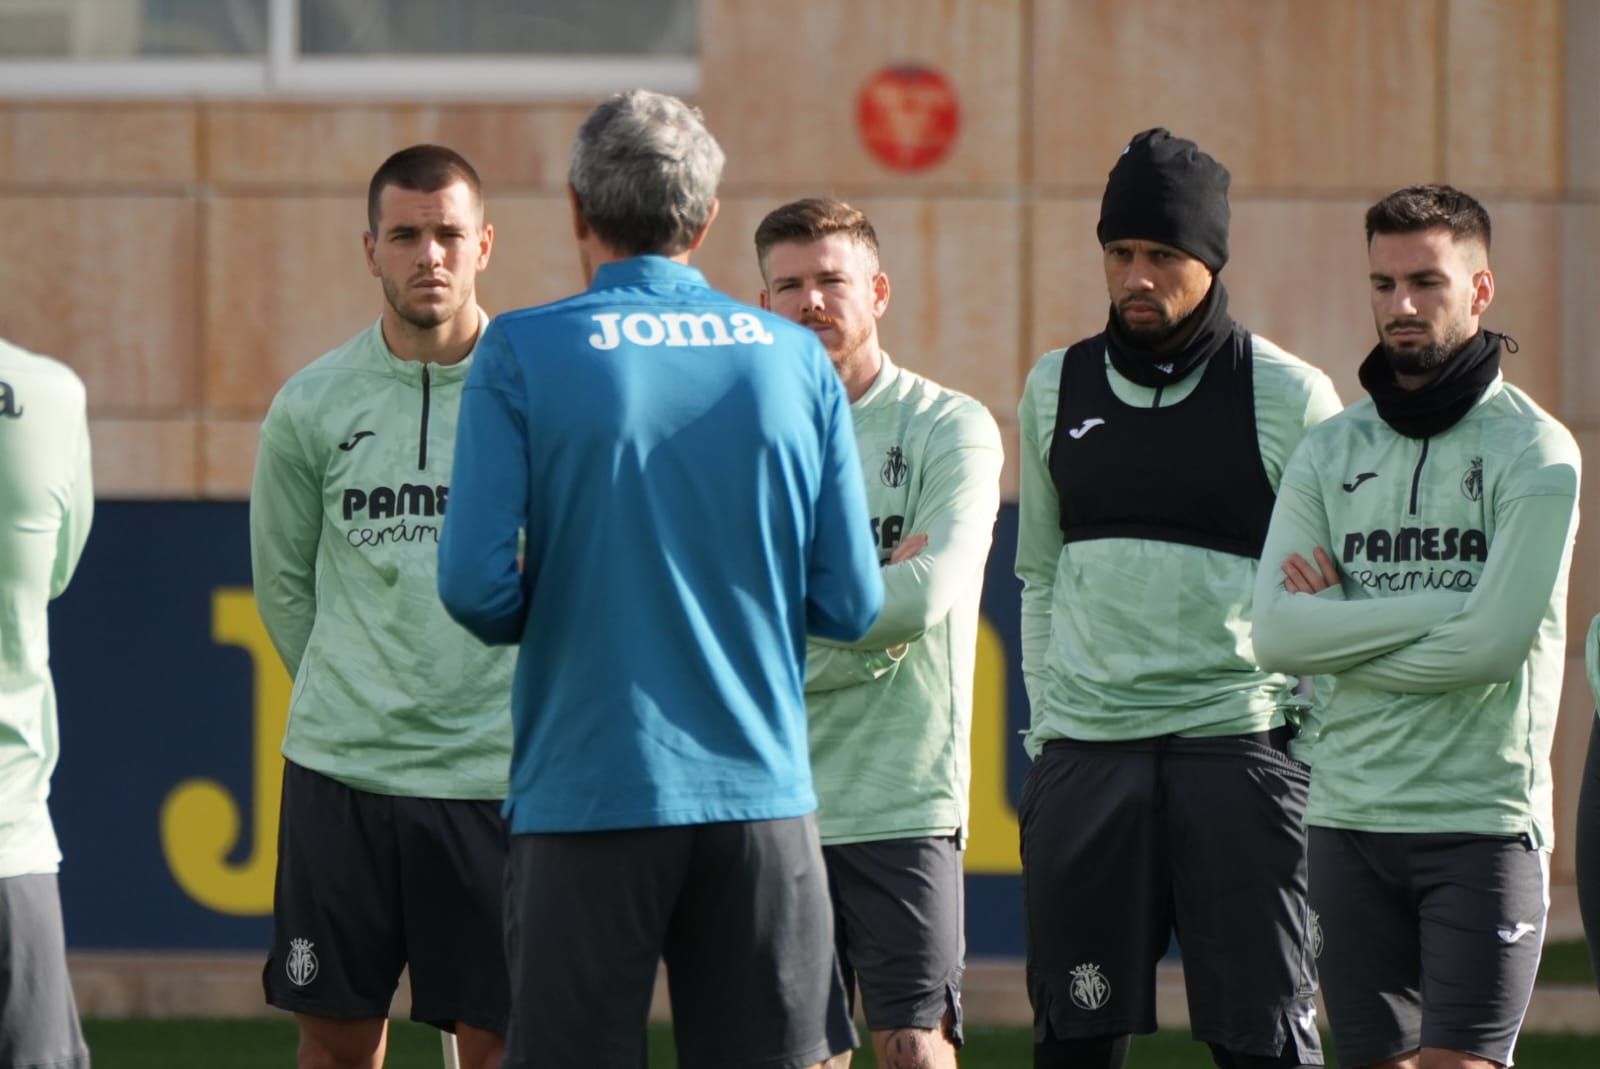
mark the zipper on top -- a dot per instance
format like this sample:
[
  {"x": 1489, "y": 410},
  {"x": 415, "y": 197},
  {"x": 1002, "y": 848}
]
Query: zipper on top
[
  {"x": 1416, "y": 474},
  {"x": 422, "y": 439}
]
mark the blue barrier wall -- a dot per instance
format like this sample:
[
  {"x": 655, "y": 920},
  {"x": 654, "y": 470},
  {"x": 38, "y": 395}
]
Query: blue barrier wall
[{"x": 172, "y": 706}]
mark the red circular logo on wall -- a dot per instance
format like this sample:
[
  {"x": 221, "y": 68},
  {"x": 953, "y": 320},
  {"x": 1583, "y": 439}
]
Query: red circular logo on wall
[{"x": 908, "y": 117}]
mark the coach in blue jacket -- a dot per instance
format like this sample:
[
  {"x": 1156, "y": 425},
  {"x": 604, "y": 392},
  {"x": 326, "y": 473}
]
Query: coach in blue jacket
[{"x": 683, "y": 470}]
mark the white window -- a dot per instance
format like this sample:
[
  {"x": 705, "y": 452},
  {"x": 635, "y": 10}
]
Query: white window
[{"x": 494, "y": 49}]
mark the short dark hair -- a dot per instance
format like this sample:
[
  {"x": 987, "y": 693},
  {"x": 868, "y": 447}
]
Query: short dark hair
[
  {"x": 1416, "y": 208},
  {"x": 645, "y": 171},
  {"x": 425, "y": 169},
  {"x": 813, "y": 219}
]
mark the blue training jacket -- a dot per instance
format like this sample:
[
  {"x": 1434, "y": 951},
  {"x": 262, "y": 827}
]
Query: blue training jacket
[{"x": 686, "y": 472}]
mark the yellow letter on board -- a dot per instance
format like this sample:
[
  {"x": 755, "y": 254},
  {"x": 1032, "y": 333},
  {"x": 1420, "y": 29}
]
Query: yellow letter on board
[
  {"x": 200, "y": 820},
  {"x": 992, "y": 847}
]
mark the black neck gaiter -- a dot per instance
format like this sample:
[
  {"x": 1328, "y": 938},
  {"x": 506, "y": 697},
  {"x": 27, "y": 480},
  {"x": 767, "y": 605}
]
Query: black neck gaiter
[
  {"x": 1147, "y": 367},
  {"x": 1436, "y": 407}
]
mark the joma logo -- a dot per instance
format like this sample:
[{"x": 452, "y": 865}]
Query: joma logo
[{"x": 678, "y": 329}]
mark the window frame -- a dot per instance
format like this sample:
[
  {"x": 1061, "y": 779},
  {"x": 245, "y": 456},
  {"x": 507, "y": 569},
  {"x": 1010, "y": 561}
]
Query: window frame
[{"x": 285, "y": 72}]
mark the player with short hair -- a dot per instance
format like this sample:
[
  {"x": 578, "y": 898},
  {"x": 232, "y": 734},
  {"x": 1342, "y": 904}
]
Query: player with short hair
[
  {"x": 46, "y": 507},
  {"x": 682, "y": 467},
  {"x": 1421, "y": 542},
  {"x": 891, "y": 714},
  {"x": 391, "y": 845},
  {"x": 1162, "y": 795}
]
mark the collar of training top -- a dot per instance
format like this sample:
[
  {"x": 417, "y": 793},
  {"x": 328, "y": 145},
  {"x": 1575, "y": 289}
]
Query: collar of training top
[{"x": 645, "y": 269}]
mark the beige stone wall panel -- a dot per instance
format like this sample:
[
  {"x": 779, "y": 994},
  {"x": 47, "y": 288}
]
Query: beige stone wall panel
[
  {"x": 728, "y": 256},
  {"x": 1297, "y": 274},
  {"x": 97, "y": 144},
  {"x": 1066, "y": 280},
  {"x": 1575, "y": 291},
  {"x": 780, "y": 85},
  {"x": 322, "y": 145},
  {"x": 107, "y": 285},
  {"x": 1527, "y": 240},
  {"x": 286, "y": 281},
  {"x": 145, "y": 458},
  {"x": 1583, "y": 584},
  {"x": 228, "y": 457},
  {"x": 1581, "y": 36},
  {"x": 1308, "y": 97},
  {"x": 535, "y": 256},
  {"x": 1503, "y": 109}
]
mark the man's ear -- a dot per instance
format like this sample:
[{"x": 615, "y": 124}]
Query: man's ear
[
  {"x": 485, "y": 244},
  {"x": 700, "y": 236},
  {"x": 1482, "y": 291},
  {"x": 880, "y": 294},
  {"x": 580, "y": 225}
]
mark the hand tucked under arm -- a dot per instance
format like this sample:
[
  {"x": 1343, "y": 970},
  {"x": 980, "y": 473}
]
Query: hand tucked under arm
[
  {"x": 285, "y": 528},
  {"x": 1487, "y": 641},
  {"x": 1039, "y": 539},
  {"x": 835, "y": 668},
  {"x": 1302, "y": 631},
  {"x": 954, "y": 516}
]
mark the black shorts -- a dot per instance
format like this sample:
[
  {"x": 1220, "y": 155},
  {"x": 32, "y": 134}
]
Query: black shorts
[
  {"x": 1588, "y": 853},
  {"x": 368, "y": 884},
  {"x": 38, "y": 1017},
  {"x": 898, "y": 927},
  {"x": 1125, "y": 843},
  {"x": 739, "y": 912},
  {"x": 1428, "y": 940}
]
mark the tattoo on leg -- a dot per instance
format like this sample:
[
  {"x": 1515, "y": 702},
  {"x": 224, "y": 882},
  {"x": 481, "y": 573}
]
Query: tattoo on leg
[{"x": 912, "y": 1048}]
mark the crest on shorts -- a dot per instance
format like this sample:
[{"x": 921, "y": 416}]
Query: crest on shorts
[
  {"x": 1090, "y": 988},
  {"x": 895, "y": 469},
  {"x": 1472, "y": 481},
  {"x": 1316, "y": 935},
  {"x": 302, "y": 964}
]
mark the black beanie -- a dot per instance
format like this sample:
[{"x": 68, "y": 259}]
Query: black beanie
[{"x": 1163, "y": 188}]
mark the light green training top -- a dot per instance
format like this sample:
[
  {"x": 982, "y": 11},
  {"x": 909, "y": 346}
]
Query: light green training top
[
  {"x": 46, "y": 506},
  {"x": 352, "y": 478},
  {"x": 1445, "y": 633},
  {"x": 1126, "y": 638},
  {"x": 890, "y": 733}
]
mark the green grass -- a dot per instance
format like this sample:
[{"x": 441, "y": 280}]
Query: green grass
[
  {"x": 1566, "y": 963},
  {"x": 270, "y": 1043}
]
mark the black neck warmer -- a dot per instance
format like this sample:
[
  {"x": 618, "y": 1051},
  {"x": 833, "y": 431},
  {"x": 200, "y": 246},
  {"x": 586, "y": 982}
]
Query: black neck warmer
[
  {"x": 1436, "y": 407},
  {"x": 1154, "y": 369}
]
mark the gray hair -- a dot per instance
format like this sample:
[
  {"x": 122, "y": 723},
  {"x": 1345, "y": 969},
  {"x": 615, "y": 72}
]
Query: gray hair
[{"x": 645, "y": 172}]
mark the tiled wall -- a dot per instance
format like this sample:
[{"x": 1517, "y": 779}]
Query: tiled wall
[{"x": 186, "y": 257}]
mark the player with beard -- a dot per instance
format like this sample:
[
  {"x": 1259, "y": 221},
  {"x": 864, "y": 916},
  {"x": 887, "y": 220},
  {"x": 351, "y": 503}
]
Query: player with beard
[
  {"x": 889, "y": 716},
  {"x": 1418, "y": 553},
  {"x": 391, "y": 845},
  {"x": 1162, "y": 795}
]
